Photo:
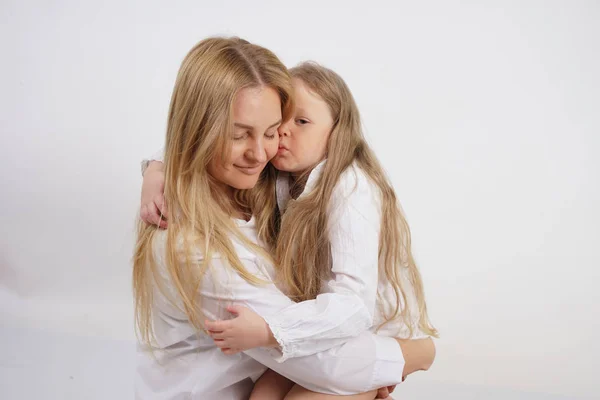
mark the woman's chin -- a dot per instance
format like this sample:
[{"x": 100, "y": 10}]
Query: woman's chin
[{"x": 244, "y": 184}]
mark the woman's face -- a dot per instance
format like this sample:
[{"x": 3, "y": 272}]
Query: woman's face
[
  {"x": 254, "y": 140},
  {"x": 303, "y": 139}
]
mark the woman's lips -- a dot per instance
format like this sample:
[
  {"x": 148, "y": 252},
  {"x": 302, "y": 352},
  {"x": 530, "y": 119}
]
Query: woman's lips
[{"x": 252, "y": 170}]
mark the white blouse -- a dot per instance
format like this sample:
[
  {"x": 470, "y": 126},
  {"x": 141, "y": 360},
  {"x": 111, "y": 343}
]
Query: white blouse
[
  {"x": 186, "y": 365},
  {"x": 349, "y": 303}
]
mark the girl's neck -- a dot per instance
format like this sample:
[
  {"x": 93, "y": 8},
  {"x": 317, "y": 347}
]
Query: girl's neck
[{"x": 298, "y": 183}]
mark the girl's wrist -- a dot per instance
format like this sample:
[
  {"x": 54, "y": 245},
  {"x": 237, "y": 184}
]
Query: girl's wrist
[{"x": 271, "y": 341}]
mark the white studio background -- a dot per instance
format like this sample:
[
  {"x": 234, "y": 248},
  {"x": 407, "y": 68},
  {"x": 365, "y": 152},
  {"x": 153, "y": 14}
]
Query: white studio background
[{"x": 485, "y": 114}]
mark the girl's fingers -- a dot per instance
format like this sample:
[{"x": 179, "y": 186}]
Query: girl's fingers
[
  {"x": 161, "y": 205},
  {"x": 217, "y": 325},
  {"x": 152, "y": 214},
  {"x": 222, "y": 344},
  {"x": 230, "y": 351},
  {"x": 217, "y": 335}
]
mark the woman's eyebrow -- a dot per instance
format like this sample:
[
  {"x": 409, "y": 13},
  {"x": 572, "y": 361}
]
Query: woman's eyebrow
[
  {"x": 275, "y": 124},
  {"x": 251, "y": 128}
]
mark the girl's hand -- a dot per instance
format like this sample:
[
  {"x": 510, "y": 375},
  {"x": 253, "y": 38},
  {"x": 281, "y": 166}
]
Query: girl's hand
[
  {"x": 246, "y": 331},
  {"x": 153, "y": 199}
]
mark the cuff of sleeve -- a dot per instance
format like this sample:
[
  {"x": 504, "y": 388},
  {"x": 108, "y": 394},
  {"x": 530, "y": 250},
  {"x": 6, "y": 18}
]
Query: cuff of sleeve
[
  {"x": 286, "y": 350},
  {"x": 144, "y": 165},
  {"x": 389, "y": 365}
]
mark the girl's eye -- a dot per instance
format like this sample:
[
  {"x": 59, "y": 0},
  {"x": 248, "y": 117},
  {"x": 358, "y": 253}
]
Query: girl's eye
[{"x": 301, "y": 121}]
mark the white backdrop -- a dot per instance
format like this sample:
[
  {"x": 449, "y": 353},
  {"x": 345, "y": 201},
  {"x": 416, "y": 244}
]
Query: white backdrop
[{"x": 485, "y": 114}]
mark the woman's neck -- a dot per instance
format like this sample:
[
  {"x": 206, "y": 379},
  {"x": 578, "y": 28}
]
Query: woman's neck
[{"x": 226, "y": 197}]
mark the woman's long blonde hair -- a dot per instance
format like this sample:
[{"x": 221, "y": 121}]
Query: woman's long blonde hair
[
  {"x": 198, "y": 129},
  {"x": 303, "y": 248}
]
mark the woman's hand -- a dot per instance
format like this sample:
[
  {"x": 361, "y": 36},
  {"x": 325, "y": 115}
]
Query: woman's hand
[
  {"x": 153, "y": 198},
  {"x": 246, "y": 331}
]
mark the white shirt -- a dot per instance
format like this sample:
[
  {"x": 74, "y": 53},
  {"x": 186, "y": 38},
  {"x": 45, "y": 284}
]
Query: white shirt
[
  {"x": 188, "y": 365},
  {"x": 349, "y": 303}
]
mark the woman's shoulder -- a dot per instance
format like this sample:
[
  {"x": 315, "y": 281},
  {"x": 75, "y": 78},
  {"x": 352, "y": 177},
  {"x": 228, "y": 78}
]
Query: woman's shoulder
[
  {"x": 191, "y": 247},
  {"x": 190, "y": 251}
]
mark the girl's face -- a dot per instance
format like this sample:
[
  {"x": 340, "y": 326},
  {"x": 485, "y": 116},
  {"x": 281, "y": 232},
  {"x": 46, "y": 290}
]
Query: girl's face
[
  {"x": 303, "y": 139},
  {"x": 254, "y": 140}
]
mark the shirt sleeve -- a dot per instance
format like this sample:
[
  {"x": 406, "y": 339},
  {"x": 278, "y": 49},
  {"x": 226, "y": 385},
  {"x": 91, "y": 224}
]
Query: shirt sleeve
[
  {"x": 363, "y": 363},
  {"x": 347, "y": 307},
  {"x": 360, "y": 364},
  {"x": 158, "y": 156}
]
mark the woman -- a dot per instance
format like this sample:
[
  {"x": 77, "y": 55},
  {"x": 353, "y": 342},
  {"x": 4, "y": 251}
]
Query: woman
[{"x": 229, "y": 99}]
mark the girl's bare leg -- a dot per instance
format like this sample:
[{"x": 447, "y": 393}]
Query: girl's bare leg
[
  {"x": 418, "y": 355},
  {"x": 271, "y": 386},
  {"x": 299, "y": 393}
]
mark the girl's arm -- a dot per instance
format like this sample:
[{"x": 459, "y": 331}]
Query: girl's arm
[
  {"x": 346, "y": 308},
  {"x": 363, "y": 363},
  {"x": 153, "y": 208}
]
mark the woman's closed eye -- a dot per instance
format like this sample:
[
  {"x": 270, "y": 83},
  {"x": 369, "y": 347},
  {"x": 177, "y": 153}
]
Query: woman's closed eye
[
  {"x": 271, "y": 133},
  {"x": 240, "y": 136}
]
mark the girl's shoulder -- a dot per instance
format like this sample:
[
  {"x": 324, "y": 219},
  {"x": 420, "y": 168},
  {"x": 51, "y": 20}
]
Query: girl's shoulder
[
  {"x": 355, "y": 196},
  {"x": 355, "y": 184}
]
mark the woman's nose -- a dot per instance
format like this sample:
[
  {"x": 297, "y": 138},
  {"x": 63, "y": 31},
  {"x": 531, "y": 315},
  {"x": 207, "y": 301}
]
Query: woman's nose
[{"x": 257, "y": 152}]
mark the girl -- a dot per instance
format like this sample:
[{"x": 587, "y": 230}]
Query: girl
[
  {"x": 229, "y": 99},
  {"x": 342, "y": 240}
]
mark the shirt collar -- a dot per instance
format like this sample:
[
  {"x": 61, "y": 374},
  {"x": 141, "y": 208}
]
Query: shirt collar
[{"x": 283, "y": 185}]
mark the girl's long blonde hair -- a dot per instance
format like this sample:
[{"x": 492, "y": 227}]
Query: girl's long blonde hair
[
  {"x": 198, "y": 129},
  {"x": 303, "y": 248}
]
